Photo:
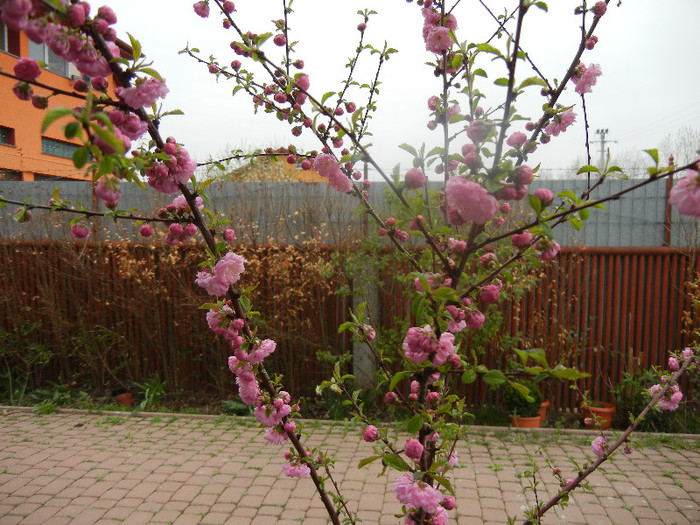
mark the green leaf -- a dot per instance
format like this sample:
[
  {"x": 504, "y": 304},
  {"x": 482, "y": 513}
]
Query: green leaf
[
  {"x": 135, "y": 47},
  {"x": 494, "y": 377},
  {"x": 584, "y": 214},
  {"x": 488, "y": 48},
  {"x": 394, "y": 461},
  {"x": 654, "y": 154},
  {"x": 480, "y": 73},
  {"x": 410, "y": 149},
  {"x": 109, "y": 137},
  {"x": 54, "y": 114},
  {"x": 71, "y": 129},
  {"x": 561, "y": 372},
  {"x": 587, "y": 169},
  {"x": 245, "y": 303},
  {"x": 367, "y": 461},
  {"x": 542, "y": 6},
  {"x": 457, "y": 61},
  {"x": 535, "y": 203},
  {"x": 575, "y": 221},
  {"x": 398, "y": 376},
  {"x": 532, "y": 81},
  {"x": 501, "y": 81},
  {"x": 414, "y": 424},
  {"x": 152, "y": 72},
  {"x": 469, "y": 376},
  {"x": 80, "y": 157},
  {"x": 445, "y": 483}
]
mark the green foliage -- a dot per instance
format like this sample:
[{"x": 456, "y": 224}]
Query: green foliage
[
  {"x": 522, "y": 398},
  {"x": 21, "y": 359},
  {"x": 152, "y": 390},
  {"x": 236, "y": 408}
]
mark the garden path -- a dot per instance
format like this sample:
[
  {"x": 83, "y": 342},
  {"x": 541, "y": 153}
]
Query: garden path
[{"x": 79, "y": 468}]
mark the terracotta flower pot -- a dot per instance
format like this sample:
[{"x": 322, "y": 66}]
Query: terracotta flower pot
[
  {"x": 543, "y": 410},
  {"x": 526, "y": 422},
  {"x": 602, "y": 411},
  {"x": 124, "y": 399}
]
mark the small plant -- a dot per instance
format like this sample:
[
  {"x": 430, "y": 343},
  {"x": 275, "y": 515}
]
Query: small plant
[
  {"x": 58, "y": 394},
  {"x": 153, "y": 390},
  {"x": 236, "y": 408},
  {"x": 522, "y": 399},
  {"x": 47, "y": 406}
]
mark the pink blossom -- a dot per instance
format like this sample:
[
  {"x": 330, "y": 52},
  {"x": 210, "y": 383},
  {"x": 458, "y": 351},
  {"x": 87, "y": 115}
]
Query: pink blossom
[
  {"x": 370, "y": 434},
  {"x": 688, "y": 354},
  {"x": 109, "y": 192},
  {"x": 262, "y": 350},
  {"x": 294, "y": 470},
  {"x": 445, "y": 348},
  {"x": 22, "y": 91},
  {"x": 368, "y": 332},
  {"x": 468, "y": 201},
  {"x": 146, "y": 230},
  {"x": 419, "y": 343},
  {"x": 271, "y": 415},
  {"x": 517, "y": 139},
  {"x": 671, "y": 399},
  {"x": 220, "y": 322},
  {"x": 586, "y": 77},
  {"x": 201, "y": 8},
  {"x": 673, "y": 364},
  {"x": 14, "y": 13},
  {"x": 27, "y": 69},
  {"x": 229, "y": 235},
  {"x": 685, "y": 195},
  {"x": 474, "y": 319},
  {"x": 275, "y": 436},
  {"x": 226, "y": 272},
  {"x": 489, "y": 294},
  {"x": 478, "y": 130},
  {"x": 522, "y": 175},
  {"x": 438, "y": 39},
  {"x": 598, "y": 446},
  {"x": 144, "y": 93},
  {"x": 545, "y": 196},
  {"x": 548, "y": 249},
  {"x": 521, "y": 240},
  {"x": 415, "y": 178},
  {"x": 599, "y": 9},
  {"x": 80, "y": 230},
  {"x": 229, "y": 7},
  {"x": 560, "y": 122},
  {"x": 413, "y": 449},
  {"x": 457, "y": 323},
  {"x": 591, "y": 42},
  {"x": 416, "y": 494}
]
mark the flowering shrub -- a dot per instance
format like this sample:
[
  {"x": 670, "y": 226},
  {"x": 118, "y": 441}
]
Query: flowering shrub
[{"x": 482, "y": 154}]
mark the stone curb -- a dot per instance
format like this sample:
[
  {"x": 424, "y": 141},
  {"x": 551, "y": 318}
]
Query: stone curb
[{"x": 9, "y": 409}]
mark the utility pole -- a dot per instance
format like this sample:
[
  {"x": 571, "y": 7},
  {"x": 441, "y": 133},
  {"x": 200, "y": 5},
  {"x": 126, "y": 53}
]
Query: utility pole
[{"x": 603, "y": 150}]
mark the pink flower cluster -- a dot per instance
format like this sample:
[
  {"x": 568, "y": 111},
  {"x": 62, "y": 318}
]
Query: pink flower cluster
[
  {"x": 166, "y": 177},
  {"x": 671, "y": 399},
  {"x": 420, "y": 343},
  {"x": 226, "y": 272},
  {"x": 328, "y": 167},
  {"x": 560, "y": 122},
  {"x": 59, "y": 35},
  {"x": 468, "y": 201},
  {"x": 417, "y": 495},
  {"x": 599, "y": 446},
  {"x": 586, "y": 77},
  {"x": 685, "y": 195},
  {"x": 436, "y": 30},
  {"x": 143, "y": 93},
  {"x": 107, "y": 189}
]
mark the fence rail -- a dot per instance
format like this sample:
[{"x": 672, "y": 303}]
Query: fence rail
[{"x": 129, "y": 310}]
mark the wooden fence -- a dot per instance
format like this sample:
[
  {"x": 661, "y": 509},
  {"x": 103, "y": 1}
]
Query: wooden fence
[{"x": 129, "y": 310}]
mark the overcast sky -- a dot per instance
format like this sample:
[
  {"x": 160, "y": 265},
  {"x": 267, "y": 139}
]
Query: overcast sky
[{"x": 647, "y": 51}]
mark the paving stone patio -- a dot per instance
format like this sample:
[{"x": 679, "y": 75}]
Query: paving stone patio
[{"x": 79, "y": 468}]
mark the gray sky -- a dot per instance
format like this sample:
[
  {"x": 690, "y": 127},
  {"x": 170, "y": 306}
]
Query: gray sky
[{"x": 647, "y": 51}]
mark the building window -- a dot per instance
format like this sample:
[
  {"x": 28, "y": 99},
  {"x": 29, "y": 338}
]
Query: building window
[
  {"x": 58, "y": 148},
  {"x": 54, "y": 63},
  {"x": 10, "y": 174},
  {"x": 9, "y": 40},
  {"x": 42, "y": 177},
  {"x": 7, "y": 136}
]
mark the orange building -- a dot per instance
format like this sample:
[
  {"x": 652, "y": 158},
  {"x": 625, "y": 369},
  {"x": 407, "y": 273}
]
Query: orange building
[{"x": 25, "y": 152}]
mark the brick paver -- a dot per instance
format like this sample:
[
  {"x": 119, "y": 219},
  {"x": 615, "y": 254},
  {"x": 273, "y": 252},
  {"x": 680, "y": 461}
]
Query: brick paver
[{"x": 81, "y": 468}]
